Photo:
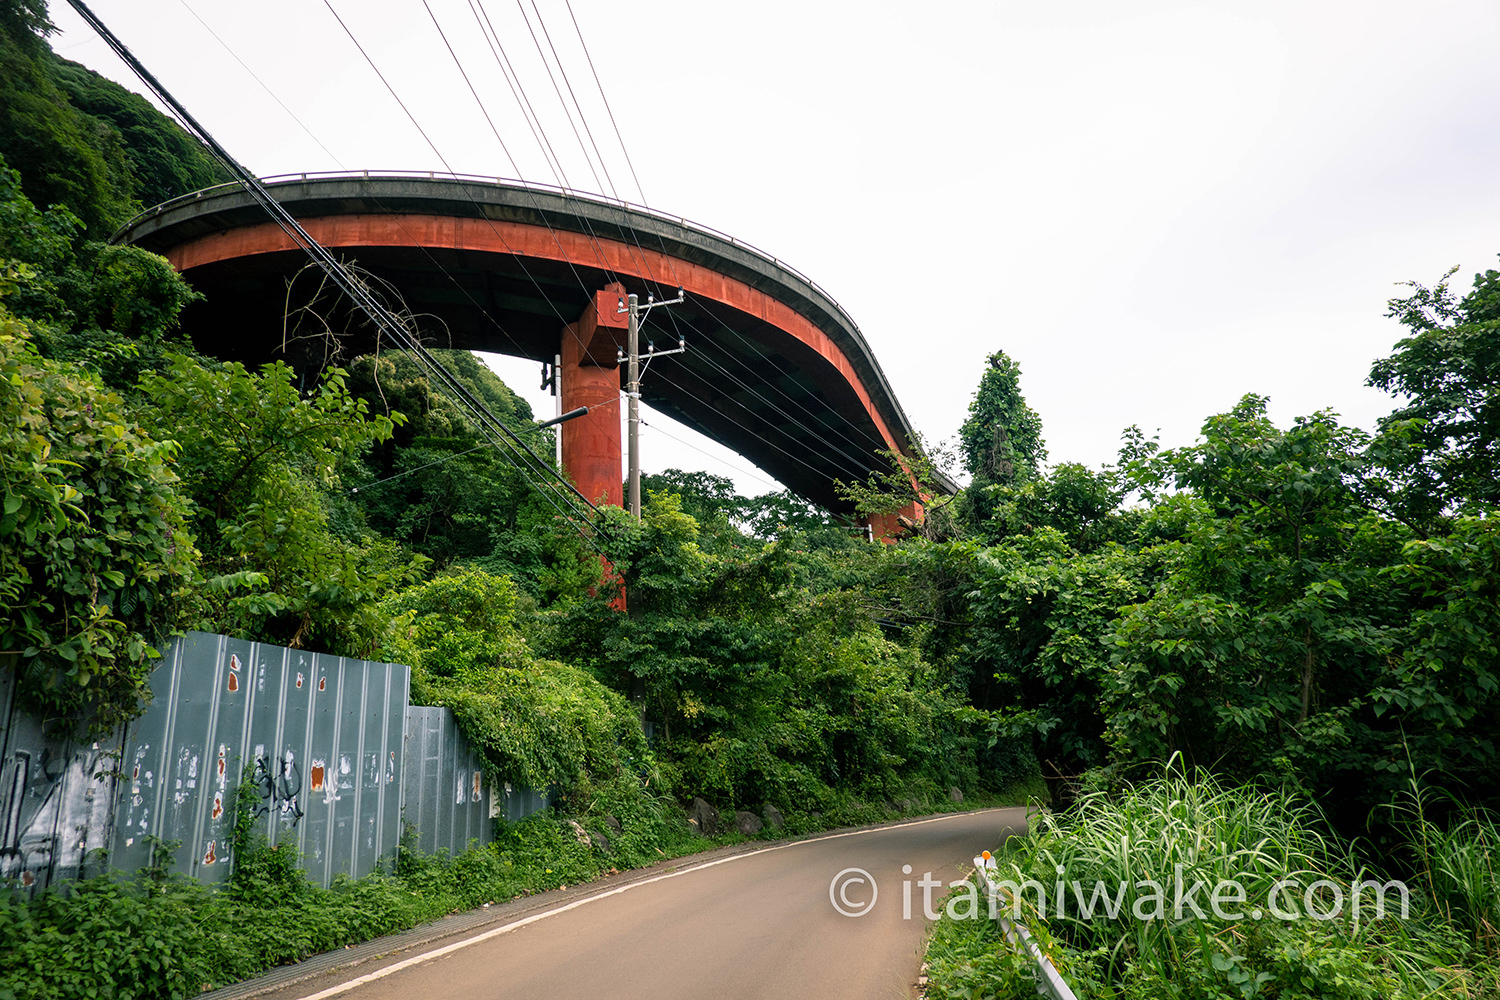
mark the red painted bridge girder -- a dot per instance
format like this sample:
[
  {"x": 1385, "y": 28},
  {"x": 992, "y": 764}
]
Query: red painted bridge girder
[{"x": 775, "y": 369}]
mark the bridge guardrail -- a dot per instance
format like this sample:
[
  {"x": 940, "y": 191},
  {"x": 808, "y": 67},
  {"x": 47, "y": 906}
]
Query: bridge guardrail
[
  {"x": 511, "y": 182},
  {"x": 1049, "y": 982}
]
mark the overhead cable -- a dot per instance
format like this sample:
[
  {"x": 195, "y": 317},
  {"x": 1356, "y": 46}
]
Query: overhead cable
[{"x": 385, "y": 320}]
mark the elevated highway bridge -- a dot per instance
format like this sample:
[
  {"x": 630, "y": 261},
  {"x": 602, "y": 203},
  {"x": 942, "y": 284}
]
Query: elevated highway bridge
[{"x": 775, "y": 369}]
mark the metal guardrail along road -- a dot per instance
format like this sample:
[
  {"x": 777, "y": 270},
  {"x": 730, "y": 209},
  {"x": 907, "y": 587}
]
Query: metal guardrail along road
[{"x": 1049, "y": 982}]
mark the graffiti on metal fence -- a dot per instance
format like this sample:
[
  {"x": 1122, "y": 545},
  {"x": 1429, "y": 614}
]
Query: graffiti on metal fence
[
  {"x": 279, "y": 783},
  {"x": 52, "y": 801}
]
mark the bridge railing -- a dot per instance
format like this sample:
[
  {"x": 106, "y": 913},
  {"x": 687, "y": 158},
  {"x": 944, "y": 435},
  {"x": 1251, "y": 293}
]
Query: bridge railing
[{"x": 504, "y": 182}]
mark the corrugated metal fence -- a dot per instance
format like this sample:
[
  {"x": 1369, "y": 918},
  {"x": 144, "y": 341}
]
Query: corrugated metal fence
[
  {"x": 319, "y": 736},
  {"x": 332, "y": 748},
  {"x": 445, "y": 796},
  {"x": 56, "y": 812}
]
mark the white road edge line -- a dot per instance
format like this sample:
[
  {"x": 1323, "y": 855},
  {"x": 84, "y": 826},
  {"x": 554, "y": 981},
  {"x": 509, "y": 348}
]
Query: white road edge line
[{"x": 428, "y": 956}]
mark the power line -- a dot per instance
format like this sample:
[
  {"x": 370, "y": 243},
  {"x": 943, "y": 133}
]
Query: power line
[
  {"x": 481, "y": 214},
  {"x": 399, "y": 475},
  {"x": 533, "y": 120},
  {"x": 556, "y": 89},
  {"x": 734, "y": 359},
  {"x": 458, "y": 63},
  {"x": 539, "y": 132},
  {"x": 483, "y": 110},
  {"x": 830, "y": 446},
  {"x": 258, "y": 80},
  {"x": 871, "y": 440},
  {"x": 688, "y": 444},
  {"x": 638, "y": 189},
  {"x": 386, "y": 321},
  {"x": 635, "y": 236},
  {"x": 761, "y": 434},
  {"x": 581, "y": 116},
  {"x": 862, "y": 466}
]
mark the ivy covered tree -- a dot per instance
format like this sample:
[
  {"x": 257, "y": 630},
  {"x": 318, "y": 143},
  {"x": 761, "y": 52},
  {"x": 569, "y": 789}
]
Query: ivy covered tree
[
  {"x": 918, "y": 477},
  {"x": 1001, "y": 440}
]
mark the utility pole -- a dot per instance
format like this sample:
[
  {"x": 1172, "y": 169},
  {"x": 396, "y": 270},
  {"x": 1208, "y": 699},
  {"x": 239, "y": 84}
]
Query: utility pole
[
  {"x": 633, "y": 387},
  {"x": 552, "y": 379},
  {"x": 557, "y": 391},
  {"x": 633, "y": 398}
]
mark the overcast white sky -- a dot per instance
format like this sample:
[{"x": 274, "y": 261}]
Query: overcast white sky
[{"x": 1154, "y": 207}]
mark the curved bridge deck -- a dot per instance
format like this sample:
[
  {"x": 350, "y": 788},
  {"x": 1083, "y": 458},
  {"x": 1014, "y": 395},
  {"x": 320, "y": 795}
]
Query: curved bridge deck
[{"x": 775, "y": 369}]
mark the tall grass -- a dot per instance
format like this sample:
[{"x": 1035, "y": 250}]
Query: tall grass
[
  {"x": 1184, "y": 828},
  {"x": 1458, "y": 866}
]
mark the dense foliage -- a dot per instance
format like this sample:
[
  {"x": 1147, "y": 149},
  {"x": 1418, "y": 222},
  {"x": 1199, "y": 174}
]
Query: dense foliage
[
  {"x": 94, "y": 546},
  {"x": 149, "y": 489},
  {"x": 765, "y": 682},
  {"x": 1309, "y": 612},
  {"x": 81, "y": 140},
  {"x": 537, "y": 722}
]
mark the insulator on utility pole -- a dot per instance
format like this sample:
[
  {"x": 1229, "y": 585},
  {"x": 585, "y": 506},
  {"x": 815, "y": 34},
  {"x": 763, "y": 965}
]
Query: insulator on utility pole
[{"x": 633, "y": 389}]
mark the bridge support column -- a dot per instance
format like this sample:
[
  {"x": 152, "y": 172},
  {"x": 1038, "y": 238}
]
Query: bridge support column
[
  {"x": 888, "y": 527},
  {"x": 591, "y": 377}
]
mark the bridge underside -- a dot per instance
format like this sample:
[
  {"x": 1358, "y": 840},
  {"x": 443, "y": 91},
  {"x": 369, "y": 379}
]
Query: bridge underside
[{"x": 774, "y": 370}]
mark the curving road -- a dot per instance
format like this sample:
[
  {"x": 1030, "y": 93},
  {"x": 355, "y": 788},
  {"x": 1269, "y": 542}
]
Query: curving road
[{"x": 741, "y": 925}]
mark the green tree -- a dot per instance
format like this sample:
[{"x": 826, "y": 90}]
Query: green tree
[
  {"x": 1080, "y": 504},
  {"x": 444, "y": 490},
  {"x": 760, "y": 689},
  {"x": 25, "y": 17},
  {"x": 64, "y": 155},
  {"x": 1039, "y": 605},
  {"x": 1440, "y": 692},
  {"x": 1273, "y": 625},
  {"x": 164, "y": 160},
  {"x": 47, "y": 243},
  {"x": 769, "y": 513},
  {"x": 113, "y": 309},
  {"x": 705, "y": 497},
  {"x": 1440, "y": 444},
  {"x": 257, "y": 457},
  {"x": 83, "y": 141}
]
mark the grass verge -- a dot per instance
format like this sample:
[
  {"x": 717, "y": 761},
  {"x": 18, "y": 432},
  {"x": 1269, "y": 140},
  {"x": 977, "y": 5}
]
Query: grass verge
[{"x": 1108, "y": 891}]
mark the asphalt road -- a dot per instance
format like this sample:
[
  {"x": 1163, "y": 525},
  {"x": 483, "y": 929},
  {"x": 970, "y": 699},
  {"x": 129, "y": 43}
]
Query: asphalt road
[{"x": 744, "y": 925}]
